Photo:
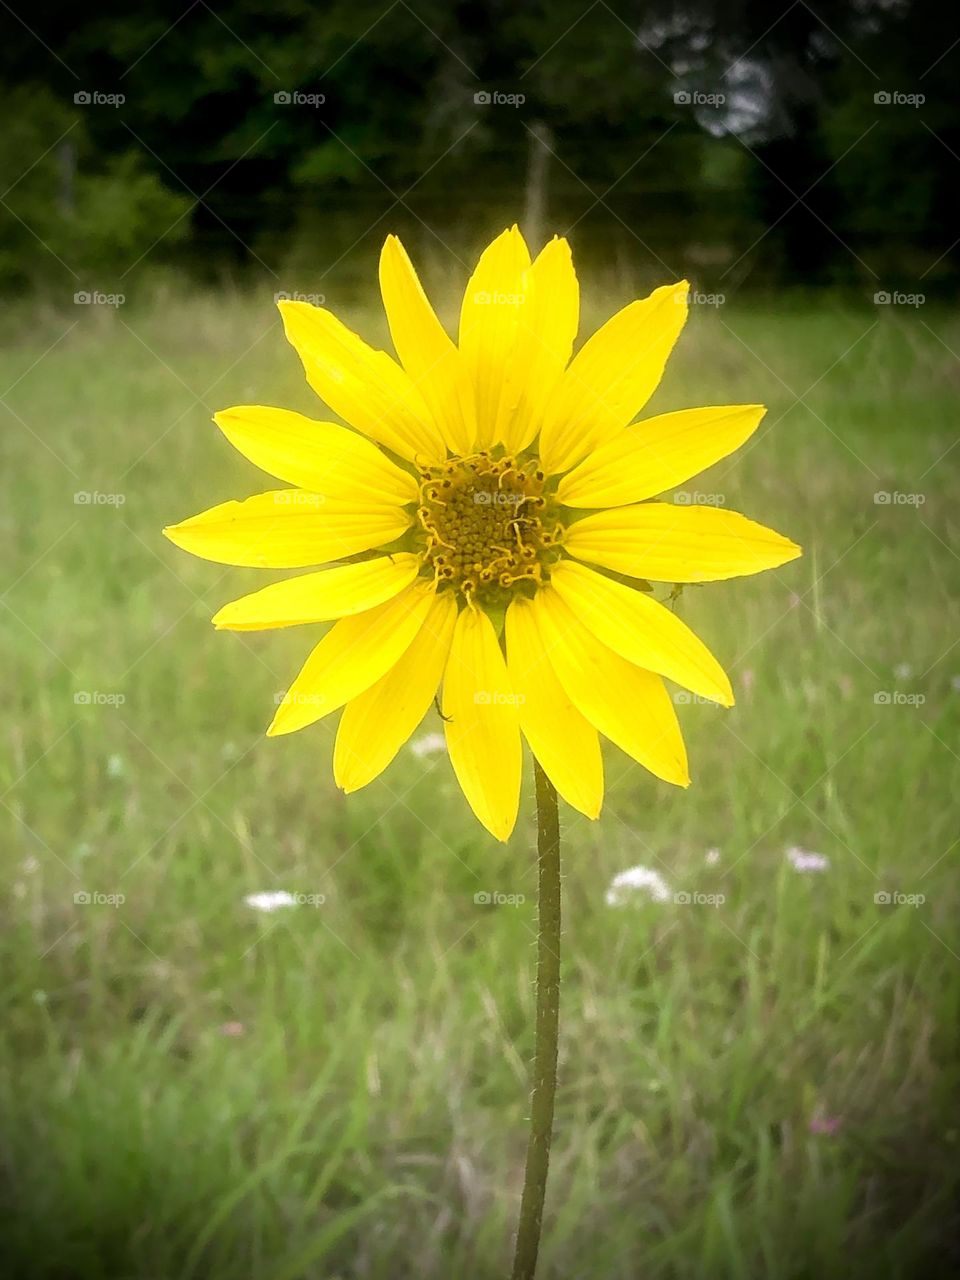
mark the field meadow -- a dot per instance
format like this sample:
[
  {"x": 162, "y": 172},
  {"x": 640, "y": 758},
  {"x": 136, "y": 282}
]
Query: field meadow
[{"x": 758, "y": 1068}]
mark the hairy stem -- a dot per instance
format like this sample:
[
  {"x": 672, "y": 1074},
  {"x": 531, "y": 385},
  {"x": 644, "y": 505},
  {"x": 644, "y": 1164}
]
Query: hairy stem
[{"x": 548, "y": 1018}]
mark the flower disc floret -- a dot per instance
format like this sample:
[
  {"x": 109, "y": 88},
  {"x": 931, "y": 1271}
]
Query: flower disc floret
[{"x": 486, "y": 524}]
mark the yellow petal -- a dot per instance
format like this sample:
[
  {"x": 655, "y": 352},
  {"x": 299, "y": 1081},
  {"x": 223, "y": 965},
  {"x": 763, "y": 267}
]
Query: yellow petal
[
  {"x": 352, "y": 656},
  {"x": 566, "y": 745},
  {"x": 320, "y": 597},
  {"x": 376, "y": 724},
  {"x": 553, "y": 318},
  {"x": 321, "y": 456},
  {"x": 287, "y": 529},
  {"x": 657, "y": 454},
  {"x": 365, "y": 387},
  {"x": 677, "y": 544},
  {"x": 482, "y": 723},
  {"x": 628, "y": 705},
  {"x": 429, "y": 356},
  {"x": 612, "y": 377},
  {"x": 641, "y": 630},
  {"x": 491, "y": 333}
]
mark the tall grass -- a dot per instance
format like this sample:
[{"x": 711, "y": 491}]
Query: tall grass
[{"x": 757, "y": 1088}]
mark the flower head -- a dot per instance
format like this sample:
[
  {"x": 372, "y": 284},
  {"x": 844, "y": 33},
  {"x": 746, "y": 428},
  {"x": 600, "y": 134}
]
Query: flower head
[
  {"x": 489, "y": 521},
  {"x": 429, "y": 745},
  {"x": 626, "y": 884},
  {"x": 270, "y": 900},
  {"x": 804, "y": 860}
]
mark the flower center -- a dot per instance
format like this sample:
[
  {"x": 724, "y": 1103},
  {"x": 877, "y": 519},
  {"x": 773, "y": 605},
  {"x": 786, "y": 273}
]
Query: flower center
[{"x": 487, "y": 525}]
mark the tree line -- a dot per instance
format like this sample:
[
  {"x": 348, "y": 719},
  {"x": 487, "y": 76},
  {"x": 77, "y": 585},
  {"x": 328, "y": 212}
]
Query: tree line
[{"x": 814, "y": 146}]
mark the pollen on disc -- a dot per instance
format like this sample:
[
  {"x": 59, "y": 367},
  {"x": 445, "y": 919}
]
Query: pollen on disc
[{"x": 486, "y": 524}]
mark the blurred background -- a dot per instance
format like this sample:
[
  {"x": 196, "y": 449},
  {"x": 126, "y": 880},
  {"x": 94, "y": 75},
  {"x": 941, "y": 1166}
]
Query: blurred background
[
  {"x": 748, "y": 144},
  {"x": 254, "y": 1029}
]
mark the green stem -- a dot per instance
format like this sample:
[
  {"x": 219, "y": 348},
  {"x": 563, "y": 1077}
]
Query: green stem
[{"x": 548, "y": 1018}]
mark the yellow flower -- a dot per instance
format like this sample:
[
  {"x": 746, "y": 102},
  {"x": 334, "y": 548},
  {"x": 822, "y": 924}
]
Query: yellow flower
[{"x": 456, "y": 510}]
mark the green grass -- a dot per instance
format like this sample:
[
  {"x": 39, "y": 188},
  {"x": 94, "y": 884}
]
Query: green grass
[{"x": 369, "y": 1120}]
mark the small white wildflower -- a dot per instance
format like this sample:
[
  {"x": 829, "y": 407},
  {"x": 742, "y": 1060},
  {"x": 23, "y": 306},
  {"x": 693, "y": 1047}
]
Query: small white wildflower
[
  {"x": 270, "y": 900},
  {"x": 116, "y": 767},
  {"x": 712, "y": 857},
  {"x": 903, "y": 670},
  {"x": 30, "y": 865},
  {"x": 428, "y": 745},
  {"x": 624, "y": 883},
  {"x": 955, "y": 683},
  {"x": 804, "y": 860}
]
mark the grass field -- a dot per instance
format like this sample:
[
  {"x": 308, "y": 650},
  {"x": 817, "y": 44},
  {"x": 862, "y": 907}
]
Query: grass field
[{"x": 762, "y": 1087}]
